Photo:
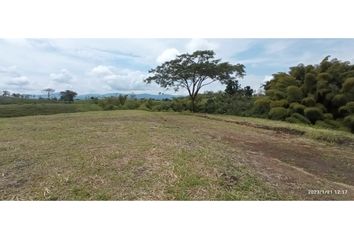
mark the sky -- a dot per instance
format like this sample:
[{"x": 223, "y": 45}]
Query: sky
[{"x": 120, "y": 65}]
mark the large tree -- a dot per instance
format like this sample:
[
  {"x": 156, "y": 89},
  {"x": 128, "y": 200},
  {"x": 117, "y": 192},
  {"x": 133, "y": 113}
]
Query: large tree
[
  {"x": 49, "y": 91},
  {"x": 193, "y": 72},
  {"x": 6, "y": 93},
  {"x": 68, "y": 95}
]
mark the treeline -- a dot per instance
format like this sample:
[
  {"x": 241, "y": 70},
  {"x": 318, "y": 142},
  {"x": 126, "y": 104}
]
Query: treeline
[
  {"x": 7, "y": 97},
  {"x": 234, "y": 100},
  {"x": 321, "y": 94}
]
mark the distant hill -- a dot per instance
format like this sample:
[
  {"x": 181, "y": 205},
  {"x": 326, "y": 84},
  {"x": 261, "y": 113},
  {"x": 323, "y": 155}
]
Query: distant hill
[
  {"x": 88, "y": 96},
  {"x": 138, "y": 96}
]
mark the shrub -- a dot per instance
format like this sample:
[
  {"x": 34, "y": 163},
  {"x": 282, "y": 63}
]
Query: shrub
[
  {"x": 322, "y": 84},
  {"x": 284, "y": 80},
  {"x": 328, "y": 116},
  {"x": 327, "y": 123},
  {"x": 308, "y": 101},
  {"x": 323, "y": 77},
  {"x": 343, "y": 111},
  {"x": 131, "y": 104},
  {"x": 276, "y": 94},
  {"x": 261, "y": 105},
  {"x": 349, "y": 122},
  {"x": 279, "y": 103},
  {"x": 310, "y": 83},
  {"x": 294, "y": 94},
  {"x": 350, "y": 107},
  {"x": 346, "y": 109},
  {"x": 297, "y": 107},
  {"x": 348, "y": 84},
  {"x": 298, "y": 118},
  {"x": 313, "y": 114},
  {"x": 322, "y": 124},
  {"x": 278, "y": 113},
  {"x": 333, "y": 123},
  {"x": 339, "y": 100},
  {"x": 321, "y": 106}
]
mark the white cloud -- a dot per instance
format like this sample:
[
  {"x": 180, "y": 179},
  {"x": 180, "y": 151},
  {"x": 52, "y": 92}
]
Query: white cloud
[
  {"x": 167, "y": 55},
  {"x": 200, "y": 44},
  {"x": 18, "y": 81},
  {"x": 123, "y": 63},
  {"x": 119, "y": 79},
  {"x": 10, "y": 71},
  {"x": 102, "y": 71},
  {"x": 64, "y": 76}
]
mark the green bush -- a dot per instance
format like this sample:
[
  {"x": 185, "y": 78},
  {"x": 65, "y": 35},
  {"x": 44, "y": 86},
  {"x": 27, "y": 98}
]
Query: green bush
[
  {"x": 298, "y": 118},
  {"x": 275, "y": 94},
  {"x": 278, "y": 113},
  {"x": 321, "y": 106},
  {"x": 310, "y": 83},
  {"x": 294, "y": 94},
  {"x": 328, "y": 116},
  {"x": 297, "y": 107},
  {"x": 261, "y": 106},
  {"x": 322, "y": 124},
  {"x": 333, "y": 123},
  {"x": 348, "y": 84},
  {"x": 132, "y": 104},
  {"x": 329, "y": 124},
  {"x": 321, "y": 84},
  {"x": 343, "y": 111},
  {"x": 349, "y": 122},
  {"x": 339, "y": 100},
  {"x": 308, "y": 101},
  {"x": 313, "y": 114},
  {"x": 346, "y": 109},
  {"x": 279, "y": 103},
  {"x": 350, "y": 107},
  {"x": 323, "y": 77}
]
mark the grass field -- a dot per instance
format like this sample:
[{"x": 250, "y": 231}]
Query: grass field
[
  {"x": 19, "y": 110},
  {"x": 140, "y": 155}
]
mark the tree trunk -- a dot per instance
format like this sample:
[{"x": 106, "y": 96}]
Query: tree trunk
[{"x": 193, "y": 105}]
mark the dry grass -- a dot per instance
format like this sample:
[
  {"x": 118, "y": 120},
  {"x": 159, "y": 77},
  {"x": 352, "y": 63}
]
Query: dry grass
[{"x": 133, "y": 155}]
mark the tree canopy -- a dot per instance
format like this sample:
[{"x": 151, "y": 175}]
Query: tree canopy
[
  {"x": 49, "y": 91},
  {"x": 194, "y": 71},
  {"x": 322, "y": 93},
  {"x": 68, "y": 95}
]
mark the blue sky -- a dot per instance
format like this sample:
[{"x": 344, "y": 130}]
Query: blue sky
[{"x": 120, "y": 65}]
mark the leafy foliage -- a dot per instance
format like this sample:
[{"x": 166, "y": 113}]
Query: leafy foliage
[
  {"x": 195, "y": 71},
  {"x": 313, "y": 114},
  {"x": 278, "y": 113},
  {"x": 325, "y": 89},
  {"x": 68, "y": 95}
]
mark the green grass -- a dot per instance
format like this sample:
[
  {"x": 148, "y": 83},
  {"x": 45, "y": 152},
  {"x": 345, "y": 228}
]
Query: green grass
[
  {"x": 310, "y": 131},
  {"x": 140, "y": 155},
  {"x": 18, "y": 110}
]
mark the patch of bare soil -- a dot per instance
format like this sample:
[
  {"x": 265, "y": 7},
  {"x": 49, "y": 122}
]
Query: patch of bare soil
[{"x": 295, "y": 165}]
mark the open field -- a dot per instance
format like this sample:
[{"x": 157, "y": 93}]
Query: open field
[
  {"x": 19, "y": 110},
  {"x": 128, "y": 155}
]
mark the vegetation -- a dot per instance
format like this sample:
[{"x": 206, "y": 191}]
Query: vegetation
[
  {"x": 136, "y": 155},
  {"x": 320, "y": 95},
  {"x": 205, "y": 155},
  {"x": 68, "y": 96},
  {"x": 195, "y": 71},
  {"x": 17, "y": 110},
  {"x": 323, "y": 94}
]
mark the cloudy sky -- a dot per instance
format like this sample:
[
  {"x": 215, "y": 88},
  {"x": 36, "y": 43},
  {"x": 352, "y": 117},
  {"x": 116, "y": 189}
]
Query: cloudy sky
[{"x": 120, "y": 65}]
